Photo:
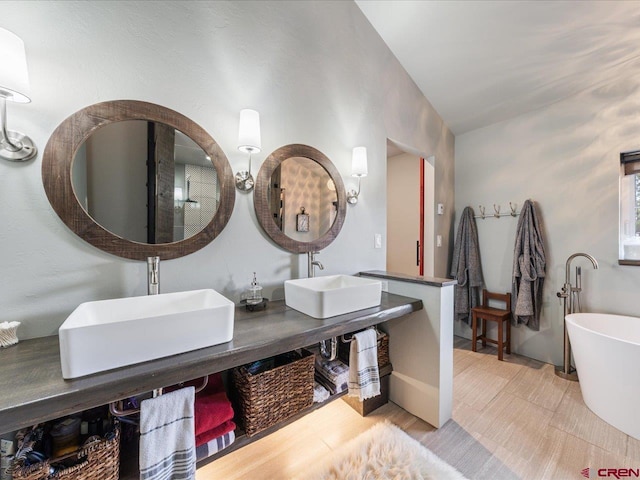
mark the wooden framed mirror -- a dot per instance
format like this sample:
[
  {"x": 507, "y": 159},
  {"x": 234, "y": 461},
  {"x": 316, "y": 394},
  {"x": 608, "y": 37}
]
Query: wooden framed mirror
[
  {"x": 299, "y": 198},
  {"x": 129, "y": 201}
]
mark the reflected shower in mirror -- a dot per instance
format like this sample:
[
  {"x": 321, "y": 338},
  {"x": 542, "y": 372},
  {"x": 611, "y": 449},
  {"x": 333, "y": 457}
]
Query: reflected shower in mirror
[
  {"x": 163, "y": 158},
  {"x": 146, "y": 182}
]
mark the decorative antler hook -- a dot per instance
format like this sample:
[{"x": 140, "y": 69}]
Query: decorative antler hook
[
  {"x": 513, "y": 209},
  {"x": 497, "y": 210},
  {"x": 481, "y": 211}
]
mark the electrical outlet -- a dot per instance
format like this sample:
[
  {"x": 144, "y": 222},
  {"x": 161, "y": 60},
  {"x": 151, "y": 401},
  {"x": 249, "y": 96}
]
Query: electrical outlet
[
  {"x": 438, "y": 240},
  {"x": 377, "y": 240}
]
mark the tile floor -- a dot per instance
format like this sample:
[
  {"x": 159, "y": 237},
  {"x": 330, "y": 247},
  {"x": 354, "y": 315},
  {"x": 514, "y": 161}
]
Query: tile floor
[{"x": 512, "y": 419}]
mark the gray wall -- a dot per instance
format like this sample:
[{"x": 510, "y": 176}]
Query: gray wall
[
  {"x": 566, "y": 158},
  {"x": 316, "y": 71}
]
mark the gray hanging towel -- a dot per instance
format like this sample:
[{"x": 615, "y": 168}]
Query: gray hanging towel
[
  {"x": 466, "y": 267},
  {"x": 529, "y": 265}
]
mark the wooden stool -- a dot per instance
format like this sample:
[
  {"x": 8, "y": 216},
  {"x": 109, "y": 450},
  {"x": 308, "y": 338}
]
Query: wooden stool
[{"x": 487, "y": 313}]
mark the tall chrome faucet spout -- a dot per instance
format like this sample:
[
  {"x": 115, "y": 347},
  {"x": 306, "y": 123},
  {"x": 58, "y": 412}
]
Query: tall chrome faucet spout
[
  {"x": 567, "y": 294},
  {"x": 311, "y": 263},
  {"x": 153, "y": 275},
  {"x": 568, "y": 264}
]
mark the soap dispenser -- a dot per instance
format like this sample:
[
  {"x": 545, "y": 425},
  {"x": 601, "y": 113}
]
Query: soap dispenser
[{"x": 254, "y": 294}]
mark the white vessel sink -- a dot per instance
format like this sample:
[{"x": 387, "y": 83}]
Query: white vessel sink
[
  {"x": 107, "y": 334},
  {"x": 324, "y": 297}
]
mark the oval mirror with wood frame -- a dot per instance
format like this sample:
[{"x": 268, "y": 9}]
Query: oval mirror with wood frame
[
  {"x": 299, "y": 198},
  {"x": 169, "y": 193}
]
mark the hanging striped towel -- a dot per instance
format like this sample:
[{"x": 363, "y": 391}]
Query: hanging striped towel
[
  {"x": 364, "y": 378},
  {"x": 167, "y": 437}
]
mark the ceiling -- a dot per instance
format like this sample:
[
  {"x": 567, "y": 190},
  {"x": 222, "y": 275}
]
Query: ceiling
[{"x": 481, "y": 62}]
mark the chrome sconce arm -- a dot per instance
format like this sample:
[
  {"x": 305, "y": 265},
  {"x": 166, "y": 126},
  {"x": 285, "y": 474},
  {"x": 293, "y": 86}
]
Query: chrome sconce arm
[
  {"x": 249, "y": 141},
  {"x": 14, "y": 86}
]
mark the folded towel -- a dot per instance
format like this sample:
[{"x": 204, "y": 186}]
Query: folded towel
[
  {"x": 211, "y": 411},
  {"x": 215, "y": 445},
  {"x": 332, "y": 387},
  {"x": 320, "y": 393},
  {"x": 333, "y": 370},
  {"x": 207, "y": 436},
  {"x": 212, "y": 407},
  {"x": 167, "y": 438},
  {"x": 364, "y": 378}
]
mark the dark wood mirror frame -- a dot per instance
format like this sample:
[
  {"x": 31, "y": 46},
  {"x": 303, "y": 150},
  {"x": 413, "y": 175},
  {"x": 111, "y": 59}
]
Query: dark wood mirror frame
[
  {"x": 261, "y": 198},
  {"x": 58, "y": 158}
]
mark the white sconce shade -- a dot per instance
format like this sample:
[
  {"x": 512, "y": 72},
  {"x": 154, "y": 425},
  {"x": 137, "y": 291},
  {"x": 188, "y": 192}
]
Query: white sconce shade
[
  {"x": 359, "y": 162},
  {"x": 14, "y": 78},
  {"x": 14, "y": 86},
  {"x": 249, "y": 131}
]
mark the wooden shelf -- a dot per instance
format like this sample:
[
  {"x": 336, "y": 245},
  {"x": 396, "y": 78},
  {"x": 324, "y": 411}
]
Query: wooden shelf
[
  {"x": 129, "y": 465},
  {"x": 33, "y": 390}
]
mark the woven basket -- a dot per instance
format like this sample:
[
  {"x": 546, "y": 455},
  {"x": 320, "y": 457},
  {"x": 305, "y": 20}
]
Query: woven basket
[
  {"x": 100, "y": 461},
  {"x": 383, "y": 350},
  {"x": 275, "y": 395}
]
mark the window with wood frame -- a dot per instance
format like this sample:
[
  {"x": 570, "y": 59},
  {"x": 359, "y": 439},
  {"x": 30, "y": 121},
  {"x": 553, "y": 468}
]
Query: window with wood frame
[{"x": 629, "y": 239}]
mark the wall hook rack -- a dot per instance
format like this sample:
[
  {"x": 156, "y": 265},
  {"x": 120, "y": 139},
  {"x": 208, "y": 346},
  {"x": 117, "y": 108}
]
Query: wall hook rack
[{"x": 498, "y": 213}]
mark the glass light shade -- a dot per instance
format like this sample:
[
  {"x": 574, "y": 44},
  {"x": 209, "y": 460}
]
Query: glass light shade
[
  {"x": 359, "y": 162},
  {"x": 249, "y": 131},
  {"x": 14, "y": 78}
]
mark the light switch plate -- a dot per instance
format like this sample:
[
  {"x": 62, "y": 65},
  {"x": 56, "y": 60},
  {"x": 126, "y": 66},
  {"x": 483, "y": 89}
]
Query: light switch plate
[
  {"x": 377, "y": 240},
  {"x": 441, "y": 209},
  {"x": 438, "y": 240}
]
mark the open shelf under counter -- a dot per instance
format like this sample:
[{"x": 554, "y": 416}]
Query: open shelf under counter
[{"x": 33, "y": 390}]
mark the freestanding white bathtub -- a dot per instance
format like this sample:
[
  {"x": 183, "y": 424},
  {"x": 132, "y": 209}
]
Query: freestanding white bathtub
[{"x": 606, "y": 349}]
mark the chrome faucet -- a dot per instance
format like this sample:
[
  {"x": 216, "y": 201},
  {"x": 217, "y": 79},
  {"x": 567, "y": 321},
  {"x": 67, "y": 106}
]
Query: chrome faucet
[
  {"x": 567, "y": 293},
  {"x": 153, "y": 275},
  {"x": 311, "y": 263}
]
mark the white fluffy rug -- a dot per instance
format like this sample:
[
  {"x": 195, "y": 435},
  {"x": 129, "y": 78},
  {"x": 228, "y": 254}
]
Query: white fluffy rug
[{"x": 383, "y": 452}]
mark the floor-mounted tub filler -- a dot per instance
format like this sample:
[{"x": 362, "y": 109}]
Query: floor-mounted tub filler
[{"x": 606, "y": 350}]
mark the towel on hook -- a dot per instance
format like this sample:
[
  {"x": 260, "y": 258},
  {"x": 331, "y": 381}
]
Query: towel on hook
[
  {"x": 167, "y": 436},
  {"x": 466, "y": 267},
  {"x": 529, "y": 265},
  {"x": 364, "y": 377}
]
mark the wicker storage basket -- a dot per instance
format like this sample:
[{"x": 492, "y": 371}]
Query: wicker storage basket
[
  {"x": 274, "y": 395},
  {"x": 100, "y": 461},
  {"x": 383, "y": 350}
]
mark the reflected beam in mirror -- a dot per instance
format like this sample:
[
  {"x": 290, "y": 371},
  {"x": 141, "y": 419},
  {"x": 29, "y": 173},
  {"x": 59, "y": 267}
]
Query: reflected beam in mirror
[{"x": 68, "y": 139}]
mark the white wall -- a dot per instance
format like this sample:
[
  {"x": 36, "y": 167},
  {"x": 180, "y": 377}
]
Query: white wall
[
  {"x": 316, "y": 71},
  {"x": 566, "y": 158}
]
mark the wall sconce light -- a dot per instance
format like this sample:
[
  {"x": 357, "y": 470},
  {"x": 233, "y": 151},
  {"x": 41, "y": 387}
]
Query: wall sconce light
[
  {"x": 358, "y": 169},
  {"x": 14, "y": 86},
  {"x": 248, "y": 142}
]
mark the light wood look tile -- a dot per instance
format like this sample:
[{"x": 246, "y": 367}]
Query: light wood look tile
[
  {"x": 574, "y": 417},
  {"x": 539, "y": 384},
  {"x": 633, "y": 449},
  {"x": 476, "y": 386},
  {"x": 514, "y": 423},
  {"x": 511, "y": 420}
]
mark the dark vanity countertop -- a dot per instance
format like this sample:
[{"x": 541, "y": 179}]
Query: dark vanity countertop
[
  {"x": 32, "y": 389},
  {"x": 432, "y": 281}
]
